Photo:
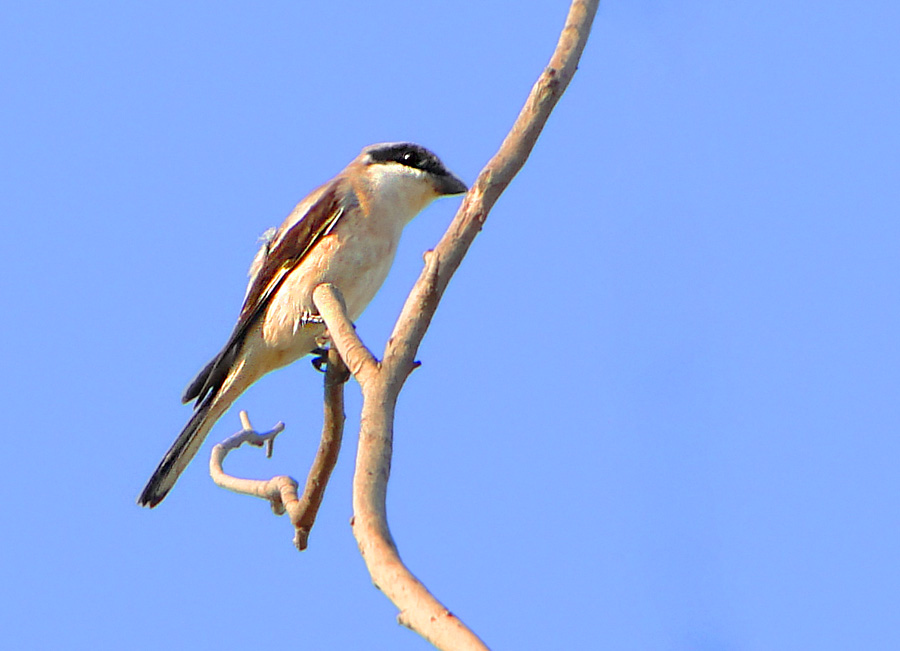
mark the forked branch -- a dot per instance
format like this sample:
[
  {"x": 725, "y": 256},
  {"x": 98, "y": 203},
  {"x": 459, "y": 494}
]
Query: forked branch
[
  {"x": 281, "y": 491},
  {"x": 381, "y": 383}
]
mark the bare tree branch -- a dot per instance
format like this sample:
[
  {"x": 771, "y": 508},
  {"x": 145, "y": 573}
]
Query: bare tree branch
[
  {"x": 336, "y": 376},
  {"x": 493, "y": 180},
  {"x": 281, "y": 491},
  {"x": 381, "y": 383},
  {"x": 356, "y": 356}
]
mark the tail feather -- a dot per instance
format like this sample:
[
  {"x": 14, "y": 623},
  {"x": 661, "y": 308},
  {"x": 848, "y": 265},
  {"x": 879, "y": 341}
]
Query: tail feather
[
  {"x": 178, "y": 456},
  {"x": 215, "y": 388},
  {"x": 213, "y": 375},
  {"x": 192, "y": 392}
]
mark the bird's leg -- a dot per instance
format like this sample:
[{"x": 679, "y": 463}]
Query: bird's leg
[{"x": 310, "y": 318}]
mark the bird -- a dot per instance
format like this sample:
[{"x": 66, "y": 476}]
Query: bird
[{"x": 346, "y": 233}]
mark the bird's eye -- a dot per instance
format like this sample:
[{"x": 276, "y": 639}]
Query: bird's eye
[{"x": 409, "y": 158}]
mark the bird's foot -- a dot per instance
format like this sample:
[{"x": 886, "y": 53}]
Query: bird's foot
[{"x": 320, "y": 361}]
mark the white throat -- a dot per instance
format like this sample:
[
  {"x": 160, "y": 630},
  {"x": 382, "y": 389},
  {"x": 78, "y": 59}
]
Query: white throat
[{"x": 399, "y": 191}]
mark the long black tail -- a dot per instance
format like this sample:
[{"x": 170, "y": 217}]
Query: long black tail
[{"x": 178, "y": 456}]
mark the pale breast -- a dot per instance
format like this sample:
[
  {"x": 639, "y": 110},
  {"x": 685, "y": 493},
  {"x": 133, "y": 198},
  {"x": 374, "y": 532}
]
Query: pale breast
[{"x": 355, "y": 260}]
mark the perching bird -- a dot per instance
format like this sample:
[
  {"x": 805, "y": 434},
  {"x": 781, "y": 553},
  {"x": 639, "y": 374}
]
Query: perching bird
[{"x": 346, "y": 233}]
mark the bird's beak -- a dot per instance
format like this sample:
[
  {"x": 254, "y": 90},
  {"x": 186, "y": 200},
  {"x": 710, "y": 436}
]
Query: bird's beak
[{"x": 449, "y": 184}]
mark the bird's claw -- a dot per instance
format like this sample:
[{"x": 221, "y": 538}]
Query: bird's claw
[{"x": 320, "y": 361}]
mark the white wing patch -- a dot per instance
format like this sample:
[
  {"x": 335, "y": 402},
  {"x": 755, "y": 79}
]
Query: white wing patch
[{"x": 266, "y": 238}]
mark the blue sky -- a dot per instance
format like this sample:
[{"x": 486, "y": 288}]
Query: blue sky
[{"x": 658, "y": 407}]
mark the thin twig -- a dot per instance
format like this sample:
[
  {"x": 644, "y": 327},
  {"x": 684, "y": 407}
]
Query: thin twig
[
  {"x": 336, "y": 375},
  {"x": 491, "y": 182},
  {"x": 279, "y": 491}
]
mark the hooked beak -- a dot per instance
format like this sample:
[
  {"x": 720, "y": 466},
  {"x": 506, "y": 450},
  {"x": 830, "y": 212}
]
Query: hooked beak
[{"x": 449, "y": 184}]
